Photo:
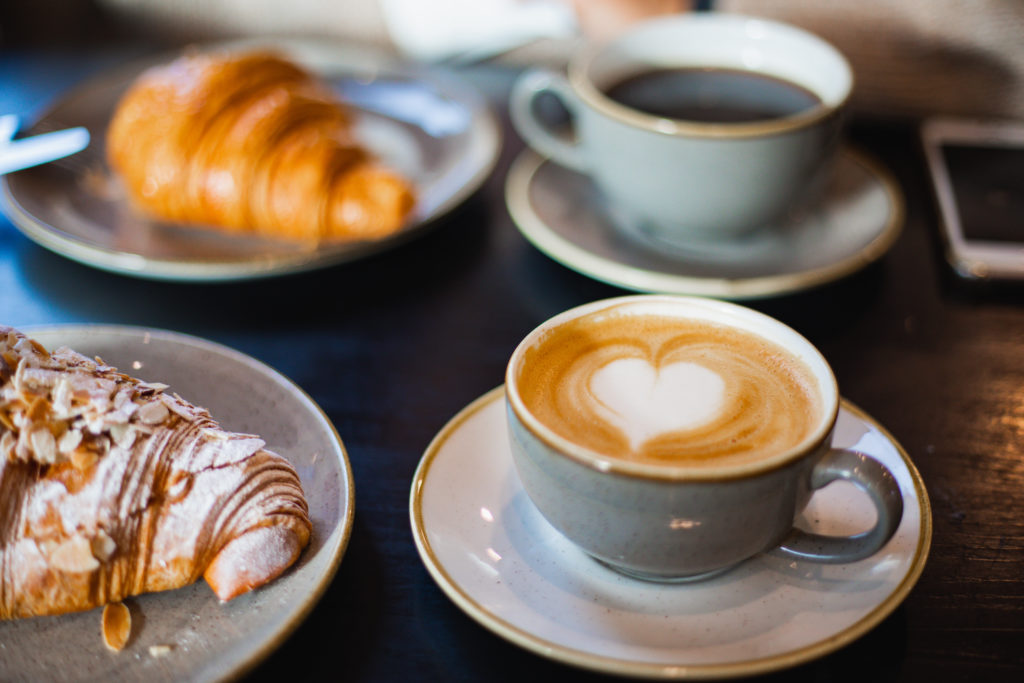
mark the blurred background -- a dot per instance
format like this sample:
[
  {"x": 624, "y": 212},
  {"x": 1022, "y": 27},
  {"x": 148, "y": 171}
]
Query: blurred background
[{"x": 911, "y": 57}]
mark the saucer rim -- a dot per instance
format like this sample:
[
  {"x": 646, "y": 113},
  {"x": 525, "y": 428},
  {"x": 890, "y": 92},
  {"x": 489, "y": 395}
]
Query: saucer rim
[
  {"x": 524, "y": 169},
  {"x": 567, "y": 655}
]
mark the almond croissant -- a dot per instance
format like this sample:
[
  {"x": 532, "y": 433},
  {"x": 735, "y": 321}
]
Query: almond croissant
[
  {"x": 110, "y": 487},
  {"x": 250, "y": 143}
]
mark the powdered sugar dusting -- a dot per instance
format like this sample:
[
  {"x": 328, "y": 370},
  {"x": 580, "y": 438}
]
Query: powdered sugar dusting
[{"x": 131, "y": 484}]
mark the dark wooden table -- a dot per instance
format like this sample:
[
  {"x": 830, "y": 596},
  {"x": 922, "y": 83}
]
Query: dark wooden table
[{"x": 393, "y": 346}]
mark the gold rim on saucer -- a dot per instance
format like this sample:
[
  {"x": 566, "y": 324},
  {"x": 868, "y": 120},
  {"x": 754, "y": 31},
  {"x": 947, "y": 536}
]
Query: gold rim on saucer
[{"x": 490, "y": 618}]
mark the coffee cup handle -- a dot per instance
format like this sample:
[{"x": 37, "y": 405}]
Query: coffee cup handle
[
  {"x": 531, "y": 85},
  {"x": 872, "y": 478}
]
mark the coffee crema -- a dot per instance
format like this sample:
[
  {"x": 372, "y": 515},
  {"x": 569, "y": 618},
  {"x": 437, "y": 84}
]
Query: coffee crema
[
  {"x": 711, "y": 95},
  {"x": 659, "y": 389}
]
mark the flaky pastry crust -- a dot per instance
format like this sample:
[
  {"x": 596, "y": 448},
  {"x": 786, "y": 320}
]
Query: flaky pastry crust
[
  {"x": 251, "y": 143},
  {"x": 111, "y": 487}
]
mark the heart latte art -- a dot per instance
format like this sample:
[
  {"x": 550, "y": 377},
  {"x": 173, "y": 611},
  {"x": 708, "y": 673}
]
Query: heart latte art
[
  {"x": 661, "y": 389},
  {"x": 644, "y": 401}
]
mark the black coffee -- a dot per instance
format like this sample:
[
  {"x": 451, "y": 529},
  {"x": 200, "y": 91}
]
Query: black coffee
[{"x": 712, "y": 95}]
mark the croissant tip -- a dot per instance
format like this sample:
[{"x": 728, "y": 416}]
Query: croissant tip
[{"x": 251, "y": 560}]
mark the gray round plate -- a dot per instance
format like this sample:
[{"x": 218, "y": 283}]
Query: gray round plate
[
  {"x": 208, "y": 640},
  {"x": 426, "y": 124}
]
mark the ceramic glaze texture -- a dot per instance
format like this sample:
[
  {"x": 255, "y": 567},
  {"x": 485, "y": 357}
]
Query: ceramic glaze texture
[
  {"x": 662, "y": 529},
  {"x": 678, "y": 519},
  {"x": 710, "y": 188},
  {"x": 690, "y": 181}
]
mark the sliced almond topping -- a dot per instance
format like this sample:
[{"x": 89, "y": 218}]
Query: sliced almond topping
[
  {"x": 214, "y": 434},
  {"x": 70, "y": 441},
  {"x": 39, "y": 348},
  {"x": 117, "y": 625},
  {"x": 44, "y": 445},
  {"x": 7, "y": 442},
  {"x": 123, "y": 435},
  {"x": 61, "y": 398},
  {"x": 179, "y": 407},
  {"x": 22, "y": 449},
  {"x": 153, "y": 413},
  {"x": 74, "y": 555},
  {"x": 103, "y": 546},
  {"x": 39, "y": 408}
]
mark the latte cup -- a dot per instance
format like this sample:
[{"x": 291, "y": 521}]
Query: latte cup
[
  {"x": 685, "y": 181},
  {"x": 672, "y": 438}
]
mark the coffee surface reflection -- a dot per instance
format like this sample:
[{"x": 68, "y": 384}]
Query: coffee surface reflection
[{"x": 712, "y": 95}]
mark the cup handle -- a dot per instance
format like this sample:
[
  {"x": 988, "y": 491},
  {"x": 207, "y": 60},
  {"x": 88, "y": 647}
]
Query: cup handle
[
  {"x": 526, "y": 90},
  {"x": 878, "y": 483}
]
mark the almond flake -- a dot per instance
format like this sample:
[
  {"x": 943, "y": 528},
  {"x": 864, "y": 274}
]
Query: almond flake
[
  {"x": 160, "y": 650},
  {"x": 62, "y": 398},
  {"x": 117, "y": 625},
  {"x": 44, "y": 445},
  {"x": 7, "y": 443},
  {"x": 70, "y": 441},
  {"x": 178, "y": 406},
  {"x": 74, "y": 555},
  {"x": 39, "y": 408},
  {"x": 123, "y": 435},
  {"x": 22, "y": 449},
  {"x": 40, "y": 348},
  {"x": 103, "y": 546},
  {"x": 214, "y": 434},
  {"x": 153, "y": 413}
]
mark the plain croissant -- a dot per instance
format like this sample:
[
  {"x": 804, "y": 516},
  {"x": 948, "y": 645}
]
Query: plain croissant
[
  {"x": 251, "y": 143},
  {"x": 111, "y": 487}
]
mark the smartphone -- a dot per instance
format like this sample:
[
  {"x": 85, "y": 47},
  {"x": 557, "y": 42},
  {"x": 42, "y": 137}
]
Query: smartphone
[{"x": 977, "y": 171}]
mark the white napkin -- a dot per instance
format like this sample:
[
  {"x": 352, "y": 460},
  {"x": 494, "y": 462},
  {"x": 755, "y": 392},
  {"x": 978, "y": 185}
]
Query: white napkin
[{"x": 468, "y": 30}]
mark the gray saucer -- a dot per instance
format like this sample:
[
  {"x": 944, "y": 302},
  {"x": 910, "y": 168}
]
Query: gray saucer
[
  {"x": 435, "y": 129},
  {"x": 854, "y": 222}
]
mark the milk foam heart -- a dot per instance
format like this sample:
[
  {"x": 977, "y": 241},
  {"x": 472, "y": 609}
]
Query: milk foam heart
[
  {"x": 643, "y": 401},
  {"x": 667, "y": 390}
]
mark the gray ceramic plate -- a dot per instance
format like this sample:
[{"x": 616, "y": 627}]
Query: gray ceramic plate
[
  {"x": 431, "y": 127},
  {"x": 854, "y": 222},
  {"x": 208, "y": 640}
]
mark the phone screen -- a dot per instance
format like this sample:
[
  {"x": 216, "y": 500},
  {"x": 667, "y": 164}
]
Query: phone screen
[{"x": 988, "y": 186}]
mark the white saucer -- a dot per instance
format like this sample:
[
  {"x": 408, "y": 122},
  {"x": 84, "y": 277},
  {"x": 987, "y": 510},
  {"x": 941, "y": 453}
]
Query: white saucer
[
  {"x": 493, "y": 554},
  {"x": 856, "y": 220}
]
